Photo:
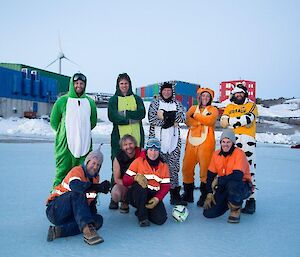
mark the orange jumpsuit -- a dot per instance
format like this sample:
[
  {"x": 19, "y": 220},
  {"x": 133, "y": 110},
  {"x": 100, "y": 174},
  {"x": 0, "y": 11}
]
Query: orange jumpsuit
[{"x": 200, "y": 141}]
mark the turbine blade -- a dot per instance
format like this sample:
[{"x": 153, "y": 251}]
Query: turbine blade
[
  {"x": 51, "y": 63},
  {"x": 71, "y": 61},
  {"x": 59, "y": 42}
]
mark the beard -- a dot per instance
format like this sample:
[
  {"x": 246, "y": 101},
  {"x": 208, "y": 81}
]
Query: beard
[{"x": 239, "y": 100}]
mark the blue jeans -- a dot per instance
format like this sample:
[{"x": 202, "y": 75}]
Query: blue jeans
[
  {"x": 71, "y": 212},
  {"x": 234, "y": 192}
]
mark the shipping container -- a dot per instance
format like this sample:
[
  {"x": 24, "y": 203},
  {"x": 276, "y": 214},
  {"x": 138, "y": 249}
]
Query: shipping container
[
  {"x": 143, "y": 92},
  {"x": 62, "y": 80},
  {"x": 185, "y": 88},
  {"x": 155, "y": 89},
  {"x": 190, "y": 101}
]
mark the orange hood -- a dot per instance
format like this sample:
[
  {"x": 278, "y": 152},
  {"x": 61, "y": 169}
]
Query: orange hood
[{"x": 205, "y": 89}]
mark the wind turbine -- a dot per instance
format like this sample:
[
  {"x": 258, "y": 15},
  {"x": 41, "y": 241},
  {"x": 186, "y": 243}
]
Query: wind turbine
[{"x": 60, "y": 56}]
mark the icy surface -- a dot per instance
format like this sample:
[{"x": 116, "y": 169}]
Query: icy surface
[{"x": 27, "y": 172}]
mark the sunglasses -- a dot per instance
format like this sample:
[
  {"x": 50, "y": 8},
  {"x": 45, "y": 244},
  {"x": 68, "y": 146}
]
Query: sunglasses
[{"x": 79, "y": 76}]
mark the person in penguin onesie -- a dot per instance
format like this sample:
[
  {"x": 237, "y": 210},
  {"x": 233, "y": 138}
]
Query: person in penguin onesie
[
  {"x": 73, "y": 117},
  {"x": 165, "y": 114},
  {"x": 200, "y": 143},
  {"x": 240, "y": 115}
]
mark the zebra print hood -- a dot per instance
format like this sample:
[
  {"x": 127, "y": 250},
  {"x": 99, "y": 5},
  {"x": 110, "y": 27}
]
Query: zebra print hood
[{"x": 168, "y": 84}]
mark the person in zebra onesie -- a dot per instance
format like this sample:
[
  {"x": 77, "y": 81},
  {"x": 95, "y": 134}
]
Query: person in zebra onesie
[
  {"x": 240, "y": 115},
  {"x": 165, "y": 114}
]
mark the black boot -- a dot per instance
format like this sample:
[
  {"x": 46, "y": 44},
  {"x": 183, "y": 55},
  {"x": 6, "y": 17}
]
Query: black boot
[
  {"x": 176, "y": 198},
  {"x": 113, "y": 205},
  {"x": 250, "y": 206},
  {"x": 203, "y": 195},
  {"x": 188, "y": 194}
]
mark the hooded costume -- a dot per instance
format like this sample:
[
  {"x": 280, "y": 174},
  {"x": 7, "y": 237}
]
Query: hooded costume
[
  {"x": 126, "y": 114},
  {"x": 72, "y": 118},
  {"x": 240, "y": 115},
  {"x": 200, "y": 144},
  {"x": 168, "y": 132}
]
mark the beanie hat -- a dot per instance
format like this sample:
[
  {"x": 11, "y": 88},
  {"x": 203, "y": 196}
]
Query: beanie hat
[
  {"x": 153, "y": 143},
  {"x": 240, "y": 88},
  {"x": 94, "y": 154},
  {"x": 228, "y": 133}
]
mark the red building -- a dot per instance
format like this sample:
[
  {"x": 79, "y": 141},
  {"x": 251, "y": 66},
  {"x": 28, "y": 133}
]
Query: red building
[{"x": 227, "y": 86}]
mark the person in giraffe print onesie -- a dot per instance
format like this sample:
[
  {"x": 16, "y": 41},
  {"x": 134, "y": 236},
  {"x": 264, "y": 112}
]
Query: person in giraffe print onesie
[{"x": 240, "y": 115}]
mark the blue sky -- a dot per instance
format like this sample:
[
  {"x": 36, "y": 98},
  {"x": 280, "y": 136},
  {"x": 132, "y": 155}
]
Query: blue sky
[{"x": 203, "y": 42}]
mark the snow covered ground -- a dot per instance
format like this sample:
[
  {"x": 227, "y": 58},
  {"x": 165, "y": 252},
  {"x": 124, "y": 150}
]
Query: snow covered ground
[
  {"x": 38, "y": 129},
  {"x": 27, "y": 171}
]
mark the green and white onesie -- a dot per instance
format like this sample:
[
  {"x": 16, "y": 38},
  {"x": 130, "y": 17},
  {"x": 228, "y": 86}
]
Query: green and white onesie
[{"x": 72, "y": 118}]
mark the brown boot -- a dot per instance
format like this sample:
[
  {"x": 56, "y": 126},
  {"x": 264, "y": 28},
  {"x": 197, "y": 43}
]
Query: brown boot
[
  {"x": 124, "y": 208},
  {"x": 91, "y": 236},
  {"x": 235, "y": 213},
  {"x": 53, "y": 233}
]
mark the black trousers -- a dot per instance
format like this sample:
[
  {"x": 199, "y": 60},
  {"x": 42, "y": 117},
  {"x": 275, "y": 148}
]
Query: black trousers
[{"x": 138, "y": 197}]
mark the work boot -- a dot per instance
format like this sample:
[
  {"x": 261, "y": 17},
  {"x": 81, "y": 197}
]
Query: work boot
[
  {"x": 175, "y": 197},
  {"x": 144, "y": 223},
  {"x": 203, "y": 195},
  {"x": 188, "y": 194},
  {"x": 250, "y": 206},
  {"x": 113, "y": 205},
  {"x": 235, "y": 213},
  {"x": 53, "y": 232},
  {"x": 91, "y": 236},
  {"x": 124, "y": 208}
]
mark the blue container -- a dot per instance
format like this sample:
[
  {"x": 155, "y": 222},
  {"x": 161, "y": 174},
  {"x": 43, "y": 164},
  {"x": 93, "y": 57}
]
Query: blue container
[
  {"x": 35, "y": 88},
  {"x": 16, "y": 84},
  {"x": 151, "y": 91},
  {"x": 26, "y": 86},
  {"x": 184, "y": 88},
  {"x": 185, "y": 102}
]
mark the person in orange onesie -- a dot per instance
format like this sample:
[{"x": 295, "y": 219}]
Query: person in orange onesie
[{"x": 200, "y": 143}]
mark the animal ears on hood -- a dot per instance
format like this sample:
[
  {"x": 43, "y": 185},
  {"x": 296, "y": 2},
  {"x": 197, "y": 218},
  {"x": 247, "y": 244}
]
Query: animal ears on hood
[{"x": 208, "y": 90}]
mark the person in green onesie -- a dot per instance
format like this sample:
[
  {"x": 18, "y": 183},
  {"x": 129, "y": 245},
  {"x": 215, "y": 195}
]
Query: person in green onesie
[
  {"x": 73, "y": 117},
  {"x": 126, "y": 111}
]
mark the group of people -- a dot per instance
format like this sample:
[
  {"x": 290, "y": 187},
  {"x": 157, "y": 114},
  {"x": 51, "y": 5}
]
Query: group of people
[{"x": 143, "y": 174}]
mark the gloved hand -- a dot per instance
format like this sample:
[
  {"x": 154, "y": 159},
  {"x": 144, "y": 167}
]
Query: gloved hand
[
  {"x": 103, "y": 187},
  {"x": 214, "y": 184},
  {"x": 169, "y": 119},
  {"x": 224, "y": 121},
  {"x": 122, "y": 113},
  {"x": 160, "y": 114},
  {"x": 209, "y": 200},
  {"x": 141, "y": 180},
  {"x": 152, "y": 203}
]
